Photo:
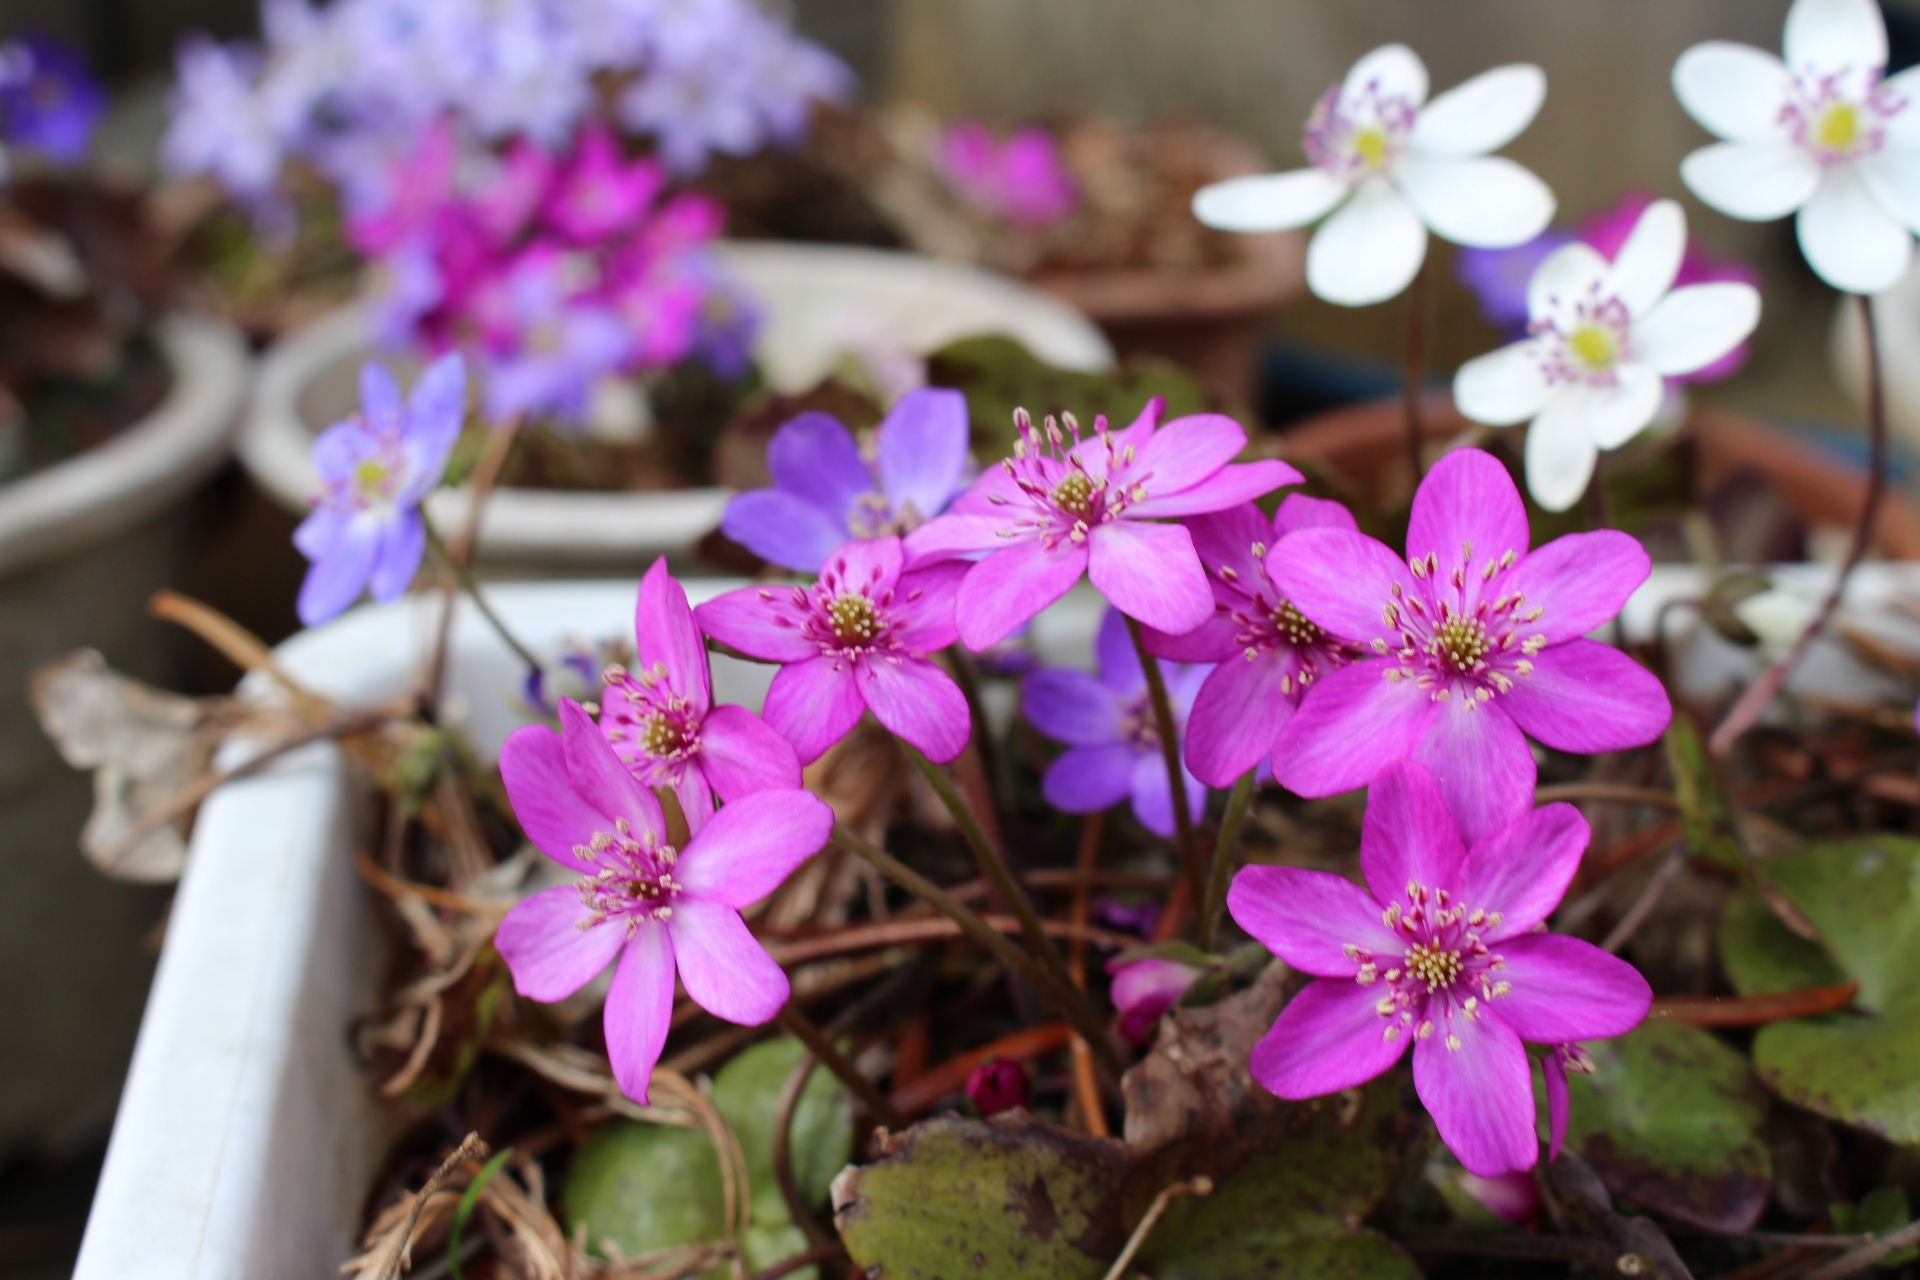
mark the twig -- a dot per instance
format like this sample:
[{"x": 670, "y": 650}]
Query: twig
[
  {"x": 470, "y": 1148},
  {"x": 1753, "y": 1011},
  {"x": 464, "y": 576},
  {"x": 485, "y": 474},
  {"x": 1866, "y": 1255},
  {"x": 900, "y": 933},
  {"x": 1606, "y": 792},
  {"x": 786, "y": 1267},
  {"x": 1482, "y": 1244},
  {"x": 833, "y": 1060},
  {"x": 1225, "y": 857},
  {"x": 234, "y": 642},
  {"x": 1643, "y": 905},
  {"x": 1086, "y": 1089},
  {"x": 1413, "y": 369},
  {"x": 952, "y": 1074},
  {"x": 1200, "y": 1186},
  {"x": 789, "y": 1102},
  {"x": 1176, "y": 776}
]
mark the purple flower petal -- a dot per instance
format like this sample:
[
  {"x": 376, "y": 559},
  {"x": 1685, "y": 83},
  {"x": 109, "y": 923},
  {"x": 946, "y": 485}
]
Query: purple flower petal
[
  {"x": 726, "y": 970},
  {"x": 783, "y": 529},
  {"x": 1340, "y": 580},
  {"x": 1581, "y": 581},
  {"x": 1559, "y": 1105},
  {"x": 436, "y": 411},
  {"x": 1298, "y": 511},
  {"x": 1212, "y": 641},
  {"x": 1225, "y": 539},
  {"x": 695, "y": 795},
  {"x": 640, "y": 1008},
  {"x": 750, "y": 621},
  {"x": 664, "y": 634},
  {"x": 1309, "y": 918},
  {"x": 1242, "y": 482},
  {"x": 1482, "y": 760},
  {"x": 323, "y": 527},
  {"x": 1328, "y": 1038},
  {"x": 547, "y": 952},
  {"x": 1071, "y": 707},
  {"x": 1114, "y": 656},
  {"x": 1467, "y": 497},
  {"x": 1586, "y": 696},
  {"x": 1148, "y": 572},
  {"x": 1086, "y": 779},
  {"x": 1523, "y": 869},
  {"x": 1186, "y": 451},
  {"x": 1408, "y": 836},
  {"x": 1238, "y": 716},
  {"x": 750, "y": 846},
  {"x": 380, "y": 397},
  {"x": 918, "y": 702},
  {"x": 1352, "y": 723},
  {"x": 1473, "y": 1076},
  {"x": 403, "y": 541},
  {"x": 922, "y": 450},
  {"x": 533, "y": 766},
  {"x": 930, "y": 593},
  {"x": 341, "y": 447},
  {"x": 1153, "y": 794},
  {"x": 814, "y": 458},
  {"x": 600, "y": 778},
  {"x": 958, "y": 535},
  {"x": 337, "y": 578},
  {"x": 1003, "y": 592},
  {"x": 813, "y": 704},
  {"x": 867, "y": 566},
  {"x": 1565, "y": 990},
  {"x": 741, "y": 754}
]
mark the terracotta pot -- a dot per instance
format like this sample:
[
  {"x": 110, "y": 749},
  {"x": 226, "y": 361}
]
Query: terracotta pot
[{"x": 1365, "y": 443}]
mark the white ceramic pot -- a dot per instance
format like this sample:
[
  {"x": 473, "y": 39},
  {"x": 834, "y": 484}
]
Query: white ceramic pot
[{"x": 818, "y": 301}]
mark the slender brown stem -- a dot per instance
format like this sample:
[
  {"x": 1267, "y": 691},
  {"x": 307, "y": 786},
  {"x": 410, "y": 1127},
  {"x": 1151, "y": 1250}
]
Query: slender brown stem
[
  {"x": 789, "y": 1102},
  {"x": 1603, "y": 791},
  {"x": 1225, "y": 860},
  {"x": 1643, "y": 906},
  {"x": 485, "y": 474},
  {"x": 1753, "y": 1011},
  {"x": 1086, "y": 1088},
  {"x": 787, "y": 1266},
  {"x": 464, "y": 576},
  {"x": 833, "y": 1060},
  {"x": 1176, "y": 776},
  {"x": 1763, "y": 691},
  {"x": 1413, "y": 369},
  {"x": 1200, "y": 1186},
  {"x": 1866, "y": 1255}
]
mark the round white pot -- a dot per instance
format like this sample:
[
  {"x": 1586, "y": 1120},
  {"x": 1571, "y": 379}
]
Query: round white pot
[{"x": 817, "y": 300}]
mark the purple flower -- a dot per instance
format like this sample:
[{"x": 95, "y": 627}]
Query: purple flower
[
  {"x": 661, "y": 719},
  {"x": 825, "y": 493},
  {"x": 559, "y": 347},
  {"x": 1498, "y": 278},
  {"x": 656, "y": 908},
  {"x": 600, "y": 193},
  {"x": 219, "y": 124},
  {"x": 1471, "y": 643},
  {"x": 1268, "y": 654},
  {"x": 1056, "y": 510},
  {"x": 857, "y": 640},
  {"x": 1143, "y": 991},
  {"x": 997, "y": 1085},
  {"x": 1020, "y": 180},
  {"x": 48, "y": 102},
  {"x": 1439, "y": 951},
  {"x": 365, "y": 532},
  {"x": 1113, "y": 749}
]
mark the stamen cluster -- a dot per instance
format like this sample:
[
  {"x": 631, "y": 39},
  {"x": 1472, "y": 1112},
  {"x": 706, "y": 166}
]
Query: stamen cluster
[
  {"x": 654, "y": 728},
  {"x": 846, "y": 619},
  {"x": 1265, "y": 621},
  {"x": 1461, "y": 632},
  {"x": 1069, "y": 494},
  {"x": 1587, "y": 341},
  {"x": 634, "y": 881},
  {"x": 1349, "y": 137},
  {"x": 1446, "y": 959},
  {"x": 1833, "y": 125}
]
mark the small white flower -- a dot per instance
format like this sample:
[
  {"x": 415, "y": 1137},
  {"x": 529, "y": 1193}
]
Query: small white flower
[
  {"x": 1389, "y": 169},
  {"x": 1821, "y": 133},
  {"x": 1604, "y": 337}
]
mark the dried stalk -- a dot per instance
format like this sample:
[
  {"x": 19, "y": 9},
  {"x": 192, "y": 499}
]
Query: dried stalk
[{"x": 1188, "y": 839}]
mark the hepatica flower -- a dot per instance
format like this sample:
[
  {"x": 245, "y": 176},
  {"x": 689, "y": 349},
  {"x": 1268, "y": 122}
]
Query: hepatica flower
[
  {"x": 1143, "y": 991},
  {"x": 1467, "y": 645},
  {"x": 856, "y": 640},
  {"x": 1439, "y": 951},
  {"x": 366, "y": 532},
  {"x": 48, "y": 102},
  {"x": 653, "y": 908},
  {"x": 661, "y": 719},
  {"x": 826, "y": 492},
  {"x": 1604, "y": 339},
  {"x": 1820, "y": 135},
  {"x": 1389, "y": 166},
  {"x": 1267, "y": 651},
  {"x": 1113, "y": 747},
  {"x": 1021, "y": 180},
  {"x": 1062, "y": 506}
]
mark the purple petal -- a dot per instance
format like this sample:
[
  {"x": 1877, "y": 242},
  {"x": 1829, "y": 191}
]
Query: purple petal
[
  {"x": 740, "y": 754},
  {"x": 315, "y": 535},
  {"x": 547, "y": 952},
  {"x": 866, "y": 566},
  {"x": 1114, "y": 656},
  {"x": 813, "y": 704},
  {"x": 1225, "y": 539},
  {"x": 1212, "y": 641},
  {"x": 403, "y": 541},
  {"x": 1071, "y": 707},
  {"x": 1328, "y": 1038},
  {"x": 695, "y": 795},
  {"x": 598, "y": 776},
  {"x": 813, "y": 457},
  {"x": 956, "y": 535},
  {"x": 533, "y": 766},
  {"x": 1340, "y": 580},
  {"x": 757, "y": 622},
  {"x": 1298, "y": 511},
  {"x": 1153, "y": 794},
  {"x": 1467, "y": 497},
  {"x": 664, "y": 634},
  {"x": 783, "y": 529},
  {"x": 640, "y": 1008},
  {"x": 1238, "y": 716},
  {"x": 919, "y": 702},
  {"x": 336, "y": 579},
  {"x": 1473, "y": 1076},
  {"x": 1145, "y": 990},
  {"x": 1566, "y": 990},
  {"x": 379, "y": 397},
  {"x": 1482, "y": 760},
  {"x": 341, "y": 448},
  {"x": 922, "y": 450},
  {"x": 1087, "y": 779},
  {"x": 1229, "y": 486},
  {"x": 926, "y": 599},
  {"x": 750, "y": 846},
  {"x": 1581, "y": 581},
  {"x": 1587, "y": 697},
  {"x": 1184, "y": 452},
  {"x": 1309, "y": 918},
  {"x": 726, "y": 970},
  {"x": 1523, "y": 869},
  {"x": 1408, "y": 836},
  {"x": 1003, "y": 592},
  {"x": 1559, "y": 1105},
  {"x": 1351, "y": 724},
  {"x": 1150, "y": 572},
  {"x": 435, "y": 413}
]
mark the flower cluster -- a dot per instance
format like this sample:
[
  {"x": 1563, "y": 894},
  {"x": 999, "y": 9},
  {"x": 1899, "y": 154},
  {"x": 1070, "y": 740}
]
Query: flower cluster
[
  {"x": 1020, "y": 180},
  {"x": 48, "y": 103}
]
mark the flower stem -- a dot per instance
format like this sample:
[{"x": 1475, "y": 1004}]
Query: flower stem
[
  {"x": 492, "y": 461},
  {"x": 464, "y": 576},
  {"x": 1413, "y": 368},
  {"x": 1225, "y": 858},
  {"x": 1176, "y": 776},
  {"x": 1762, "y": 691},
  {"x": 830, "y": 1057}
]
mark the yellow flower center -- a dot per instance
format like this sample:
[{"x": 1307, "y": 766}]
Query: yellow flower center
[
  {"x": 1073, "y": 495},
  {"x": 1433, "y": 966},
  {"x": 1838, "y": 127},
  {"x": 370, "y": 478},
  {"x": 662, "y": 736},
  {"x": 1596, "y": 347},
  {"x": 1462, "y": 641},
  {"x": 1293, "y": 624},
  {"x": 853, "y": 619},
  {"x": 1371, "y": 146}
]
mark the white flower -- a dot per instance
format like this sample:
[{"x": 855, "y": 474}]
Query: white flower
[
  {"x": 1604, "y": 338},
  {"x": 1393, "y": 169},
  {"x": 1820, "y": 133}
]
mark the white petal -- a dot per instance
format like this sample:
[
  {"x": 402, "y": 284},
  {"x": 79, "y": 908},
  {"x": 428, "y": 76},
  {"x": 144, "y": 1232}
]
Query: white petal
[
  {"x": 1368, "y": 250},
  {"x": 1893, "y": 177},
  {"x": 1694, "y": 326},
  {"x": 1392, "y": 70},
  {"x": 1647, "y": 263},
  {"x": 1827, "y": 35},
  {"x": 1757, "y": 183},
  {"x": 1618, "y": 413},
  {"x": 1560, "y": 453},
  {"x": 1503, "y": 387},
  {"x": 1268, "y": 201},
  {"x": 1567, "y": 274},
  {"x": 1850, "y": 241},
  {"x": 1488, "y": 202},
  {"x": 1903, "y": 127},
  {"x": 1733, "y": 90},
  {"x": 1482, "y": 115}
]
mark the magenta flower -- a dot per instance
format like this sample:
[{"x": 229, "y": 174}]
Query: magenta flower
[
  {"x": 1561, "y": 1061},
  {"x": 600, "y": 194},
  {"x": 1473, "y": 640},
  {"x": 1113, "y": 748},
  {"x": 857, "y": 640},
  {"x": 661, "y": 719},
  {"x": 655, "y": 908},
  {"x": 1143, "y": 991},
  {"x": 997, "y": 1085},
  {"x": 825, "y": 492},
  {"x": 1268, "y": 654},
  {"x": 1021, "y": 180},
  {"x": 1057, "y": 509},
  {"x": 1439, "y": 951}
]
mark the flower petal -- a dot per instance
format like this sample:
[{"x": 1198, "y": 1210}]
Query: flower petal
[
  {"x": 1559, "y": 1105},
  {"x": 1893, "y": 177},
  {"x": 1488, "y": 202},
  {"x": 1618, "y": 413},
  {"x": 1503, "y": 387},
  {"x": 1153, "y": 794},
  {"x": 1268, "y": 201},
  {"x": 1408, "y": 836},
  {"x": 1735, "y": 91},
  {"x": 1340, "y": 580},
  {"x": 547, "y": 952},
  {"x": 436, "y": 410},
  {"x": 918, "y": 702},
  {"x": 1069, "y": 706},
  {"x": 1482, "y": 760},
  {"x": 1298, "y": 511},
  {"x": 814, "y": 704},
  {"x": 533, "y": 767},
  {"x": 957, "y": 535},
  {"x": 640, "y": 1009},
  {"x": 1648, "y": 262},
  {"x": 1903, "y": 129},
  {"x": 750, "y": 846},
  {"x": 598, "y": 776},
  {"x": 925, "y": 597},
  {"x": 726, "y": 970},
  {"x": 1115, "y": 660},
  {"x": 1755, "y": 181},
  {"x": 1472, "y": 1074},
  {"x": 1467, "y": 497},
  {"x": 1581, "y": 581},
  {"x": 379, "y": 397},
  {"x": 1241, "y": 482},
  {"x": 922, "y": 450},
  {"x": 814, "y": 458},
  {"x": 664, "y": 634},
  {"x": 1149, "y": 572},
  {"x": 1392, "y": 70},
  {"x": 758, "y": 621},
  {"x": 1309, "y": 918},
  {"x": 1523, "y": 869},
  {"x": 1482, "y": 114},
  {"x": 1086, "y": 779},
  {"x": 1565, "y": 990},
  {"x": 1833, "y": 35},
  {"x": 783, "y": 529},
  {"x": 1690, "y": 328},
  {"x": 336, "y": 579},
  {"x": 1560, "y": 453},
  {"x": 1567, "y": 275},
  {"x": 403, "y": 540},
  {"x": 1369, "y": 250},
  {"x": 1850, "y": 241},
  {"x": 1328, "y": 1038},
  {"x": 1238, "y": 716},
  {"x": 1588, "y": 697},
  {"x": 740, "y": 754},
  {"x": 1351, "y": 724},
  {"x": 1003, "y": 592},
  {"x": 1184, "y": 452}
]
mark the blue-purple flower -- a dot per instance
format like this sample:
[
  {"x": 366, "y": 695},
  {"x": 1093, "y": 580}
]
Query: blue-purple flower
[
  {"x": 48, "y": 102},
  {"x": 366, "y": 531}
]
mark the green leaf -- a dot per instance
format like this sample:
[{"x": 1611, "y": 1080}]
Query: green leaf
[
  {"x": 747, "y": 1093},
  {"x": 1883, "y": 1212},
  {"x": 1706, "y": 816},
  {"x": 1671, "y": 1120},
  {"x": 645, "y": 1187},
  {"x": 1761, "y": 956}
]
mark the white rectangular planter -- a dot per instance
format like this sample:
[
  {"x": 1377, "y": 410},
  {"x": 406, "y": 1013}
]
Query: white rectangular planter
[{"x": 247, "y": 1134}]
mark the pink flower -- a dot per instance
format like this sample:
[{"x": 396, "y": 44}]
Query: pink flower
[
  {"x": 1512, "y": 1197},
  {"x": 1561, "y": 1060},
  {"x": 997, "y": 1085},
  {"x": 857, "y": 640},
  {"x": 1439, "y": 951},
  {"x": 1268, "y": 653},
  {"x": 662, "y": 722},
  {"x": 1021, "y": 180},
  {"x": 1056, "y": 510},
  {"x": 1473, "y": 640},
  {"x": 655, "y": 909},
  {"x": 600, "y": 194},
  {"x": 1144, "y": 990}
]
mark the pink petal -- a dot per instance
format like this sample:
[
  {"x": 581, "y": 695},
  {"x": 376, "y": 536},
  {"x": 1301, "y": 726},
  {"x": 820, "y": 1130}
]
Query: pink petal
[
  {"x": 547, "y": 952},
  {"x": 1582, "y": 581},
  {"x": 1559, "y": 1105},
  {"x": 1408, "y": 836},
  {"x": 757, "y": 622},
  {"x": 1342, "y": 581},
  {"x": 956, "y": 535},
  {"x": 533, "y": 765},
  {"x": 919, "y": 702},
  {"x": 1588, "y": 697},
  {"x": 1086, "y": 779},
  {"x": 1148, "y": 572},
  {"x": 1004, "y": 591},
  {"x": 814, "y": 704},
  {"x": 1328, "y": 1038},
  {"x": 1523, "y": 869},
  {"x": 1212, "y": 641},
  {"x": 1351, "y": 723},
  {"x": 926, "y": 598},
  {"x": 1566, "y": 990},
  {"x": 1184, "y": 452},
  {"x": 664, "y": 633},
  {"x": 695, "y": 795},
  {"x": 600, "y": 778},
  {"x": 1225, "y": 539},
  {"x": 1310, "y": 918},
  {"x": 1298, "y": 511},
  {"x": 1480, "y": 1094},
  {"x": 1467, "y": 497},
  {"x": 1238, "y": 716},
  {"x": 726, "y": 970},
  {"x": 748, "y": 848},
  {"x": 995, "y": 482},
  {"x": 871, "y": 567},
  {"x": 640, "y": 1009},
  {"x": 1071, "y": 707},
  {"x": 1229, "y": 486},
  {"x": 1482, "y": 760},
  {"x": 740, "y": 754}
]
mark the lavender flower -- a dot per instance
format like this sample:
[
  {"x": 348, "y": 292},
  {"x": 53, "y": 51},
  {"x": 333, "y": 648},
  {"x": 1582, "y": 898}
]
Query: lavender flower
[
  {"x": 48, "y": 102},
  {"x": 555, "y": 347}
]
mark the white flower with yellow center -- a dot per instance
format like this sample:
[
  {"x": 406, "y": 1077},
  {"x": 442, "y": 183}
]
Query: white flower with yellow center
[
  {"x": 1602, "y": 340},
  {"x": 1389, "y": 166},
  {"x": 1820, "y": 133}
]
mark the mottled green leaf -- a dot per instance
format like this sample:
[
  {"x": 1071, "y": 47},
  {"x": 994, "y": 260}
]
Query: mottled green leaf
[
  {"x": 1706, "y": 816},
  {"x": 645, "y": 1187},
  {"x": 747, "y": 1093},
  {"x": 1761, "y": 956}
]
